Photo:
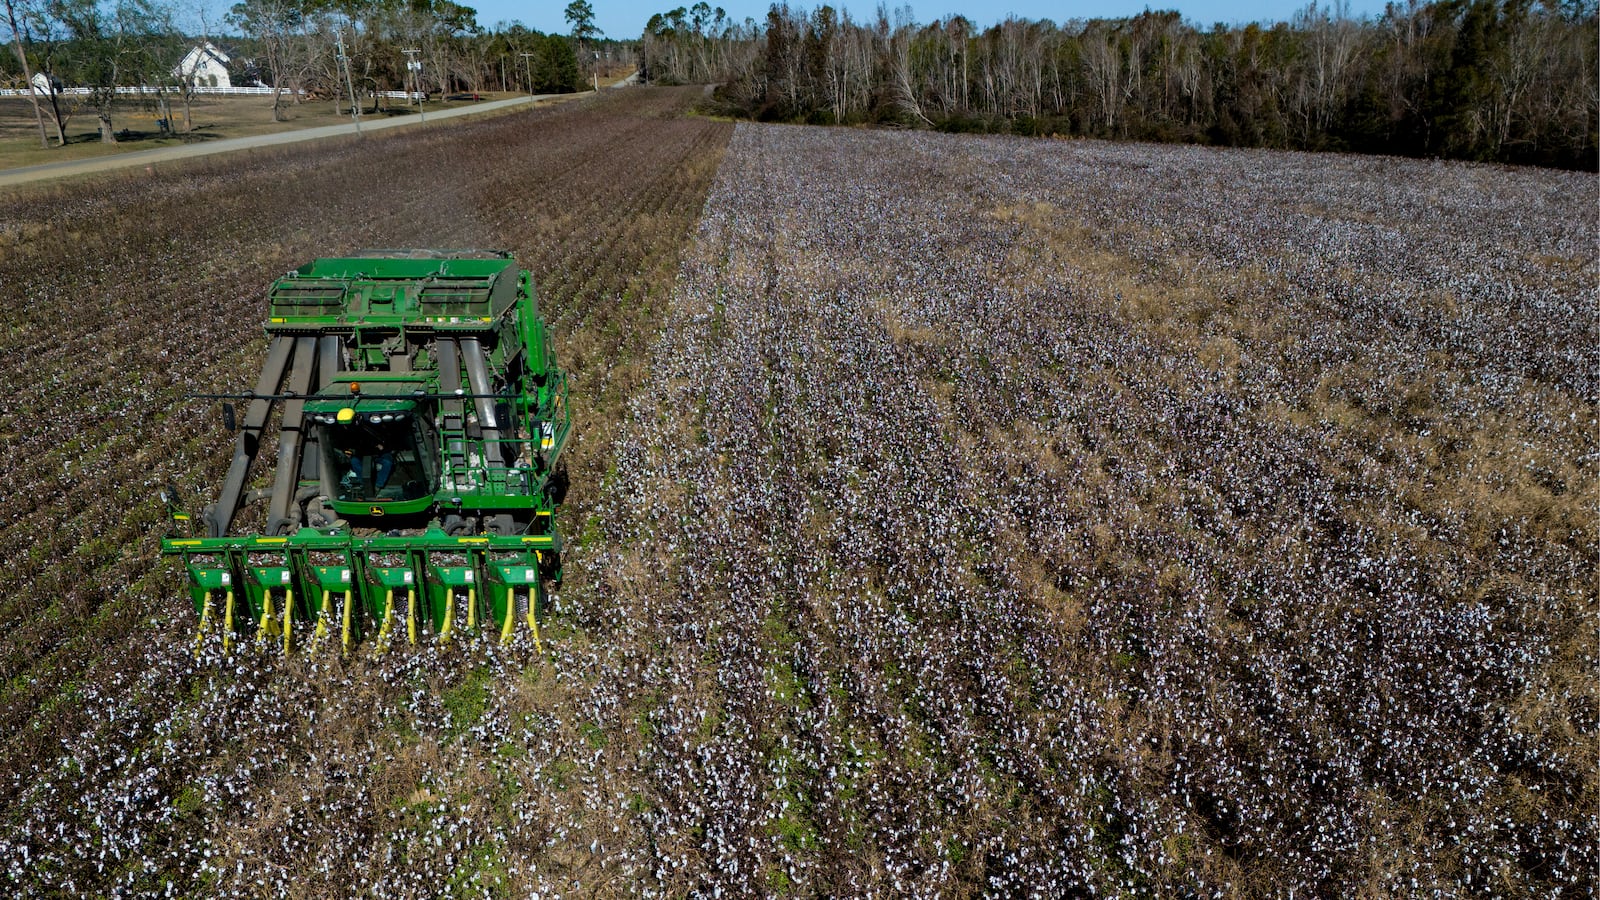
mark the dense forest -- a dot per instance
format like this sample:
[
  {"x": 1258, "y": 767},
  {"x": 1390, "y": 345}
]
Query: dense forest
[{"x": 1494, "y": 80}]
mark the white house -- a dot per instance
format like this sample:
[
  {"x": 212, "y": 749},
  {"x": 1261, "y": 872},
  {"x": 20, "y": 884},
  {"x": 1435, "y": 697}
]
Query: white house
[
  {"x": 204, "y": 66},
  {"x": 42, "y": 84}
]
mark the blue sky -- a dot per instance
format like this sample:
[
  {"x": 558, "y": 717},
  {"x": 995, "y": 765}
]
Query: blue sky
[{"x": 626, "y": 18}]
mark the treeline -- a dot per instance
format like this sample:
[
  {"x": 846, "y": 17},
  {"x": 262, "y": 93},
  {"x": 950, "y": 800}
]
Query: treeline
[
  {"x": 304, "y": 48},
  {"x": 1495, "y": 80},
  {"x": 296, "y": 45}
]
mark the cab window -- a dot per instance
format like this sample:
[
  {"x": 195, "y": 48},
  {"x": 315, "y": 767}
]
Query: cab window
[{"x": 376, "y": 461}]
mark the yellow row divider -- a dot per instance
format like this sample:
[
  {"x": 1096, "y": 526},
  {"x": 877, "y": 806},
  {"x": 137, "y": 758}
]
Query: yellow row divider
[
  {"x": 288, "y": 614},
  {"x": 264, "y": 630},
  {"x": 511, "y": 614},
  {"x": 346, "y": 615},
  {"x": 321, "y": 633},
  {"x": 449, "y": 613},
  {"x": 411, "y": 616},
  {"x": 388, "y": 622},
  {"x": 205, "y": 622},
  {"x": 227, "y": 622},
  {"x": 533, "y": 617},
  {"x": 472, "y": 609}
]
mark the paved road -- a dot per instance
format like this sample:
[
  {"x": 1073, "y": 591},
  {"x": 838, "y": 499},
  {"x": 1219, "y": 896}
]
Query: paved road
[{"x": 164, "y": 154}]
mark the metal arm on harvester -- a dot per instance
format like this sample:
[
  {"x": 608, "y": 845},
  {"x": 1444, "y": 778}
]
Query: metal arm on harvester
[{"x": 304, "y": 359}]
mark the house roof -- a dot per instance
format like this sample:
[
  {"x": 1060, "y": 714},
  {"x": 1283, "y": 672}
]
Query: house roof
[{"x": 208, "y": 49}]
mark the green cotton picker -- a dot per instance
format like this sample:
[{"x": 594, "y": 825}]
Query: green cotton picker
[{"x": 420, "y": 422}]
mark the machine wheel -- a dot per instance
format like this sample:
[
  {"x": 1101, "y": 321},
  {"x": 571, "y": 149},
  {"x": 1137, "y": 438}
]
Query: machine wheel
[
  {"x": 550, "y": 566},
  {"x": 556, "y": 487}
]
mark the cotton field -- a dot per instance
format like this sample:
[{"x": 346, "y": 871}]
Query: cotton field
[
  {"x": 960, "y": 517},
  {"x": 1062, "y": 518}
]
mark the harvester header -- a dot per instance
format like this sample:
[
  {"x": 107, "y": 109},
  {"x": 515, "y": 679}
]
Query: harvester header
[
  {"x": 460, "y": 294},
  {"x": 420, "y": 421}
]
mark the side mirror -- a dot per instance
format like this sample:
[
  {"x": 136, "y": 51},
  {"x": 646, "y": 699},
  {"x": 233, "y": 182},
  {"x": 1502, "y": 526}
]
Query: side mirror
[{"x": 229, "y": 420}]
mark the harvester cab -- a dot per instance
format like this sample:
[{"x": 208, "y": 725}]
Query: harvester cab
[{"x": 420, "y": 417}]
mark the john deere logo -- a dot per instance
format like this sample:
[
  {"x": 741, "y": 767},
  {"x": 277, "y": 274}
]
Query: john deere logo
[{"x": 375, "y": 510}]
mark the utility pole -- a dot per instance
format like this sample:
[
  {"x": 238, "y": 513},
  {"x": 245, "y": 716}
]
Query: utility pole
[
  {"x": 411, "y": 73},
  {"x": 414, "y": 66},
  {"x": 344, "y": 63},
  {"x": 527, "y": 71}
]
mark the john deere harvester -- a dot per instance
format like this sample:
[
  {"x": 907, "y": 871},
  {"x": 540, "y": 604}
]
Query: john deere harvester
[{"x": 419, "y": 416}]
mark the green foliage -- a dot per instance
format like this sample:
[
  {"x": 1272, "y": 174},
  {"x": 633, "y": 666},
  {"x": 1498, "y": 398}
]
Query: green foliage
[
  {"x": 106, "y": 45},
  {"x": 467, "y": 701},
  {"x": 189, "y": 801},
  {"x": 482, "y": 872},
  {"x": 555, "y": 66},
  {"x": 580, "y": 15}
]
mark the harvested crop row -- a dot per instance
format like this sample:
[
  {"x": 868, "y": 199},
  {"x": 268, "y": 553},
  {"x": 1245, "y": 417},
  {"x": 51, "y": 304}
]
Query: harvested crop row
[{"x": 129, "y": 765}]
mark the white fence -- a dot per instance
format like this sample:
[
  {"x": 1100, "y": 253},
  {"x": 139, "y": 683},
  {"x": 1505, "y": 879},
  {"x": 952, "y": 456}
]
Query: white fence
[
  {"x": 225, "y": 91},
  {"x": 143, "y": 92}
]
